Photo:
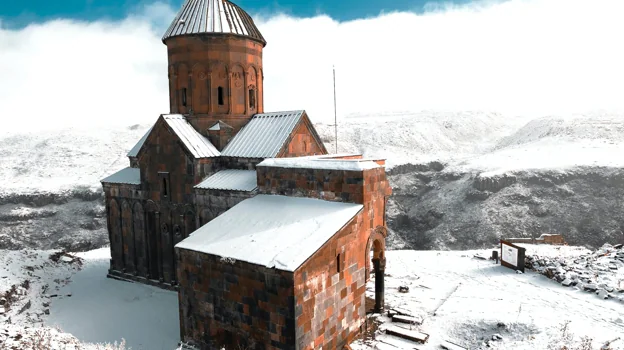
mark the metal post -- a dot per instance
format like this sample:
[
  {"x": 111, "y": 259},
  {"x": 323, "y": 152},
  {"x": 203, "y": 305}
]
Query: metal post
[
  {"x": 379, "y": 267},
  {"x": 335, "y": 118}
]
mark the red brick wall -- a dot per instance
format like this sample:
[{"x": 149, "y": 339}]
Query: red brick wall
[
  {"x": 329, "y": 300},
  {"x": 362, "y": 186},
  {"x": 201, "y": 64},
  {"x": 324, "y": 297},
  {"x": 234, "y": 303},
  {"x": 163, "y": 152},
  {"x": 303, "y": 142}
]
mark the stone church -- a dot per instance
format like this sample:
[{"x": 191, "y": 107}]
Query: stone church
[{"x": 268, "y": 240}]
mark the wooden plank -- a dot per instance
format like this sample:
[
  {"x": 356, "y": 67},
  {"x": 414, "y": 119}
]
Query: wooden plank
[
  {"x": 398, "y": 343},
  {"x": 401, "y": 311},
  {"x": 384, "y": 346},
  {"x": 451, "y": 346},
  {"x": 412, "y": 335},
  {"x": 407, "y": 319}
]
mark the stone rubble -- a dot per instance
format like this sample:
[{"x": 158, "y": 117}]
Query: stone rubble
[{"x": 600, "y": 272}]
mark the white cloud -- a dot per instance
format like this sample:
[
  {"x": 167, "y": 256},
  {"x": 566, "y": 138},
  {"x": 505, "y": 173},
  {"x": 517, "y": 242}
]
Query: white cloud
[{"x": 538, "y": 56}]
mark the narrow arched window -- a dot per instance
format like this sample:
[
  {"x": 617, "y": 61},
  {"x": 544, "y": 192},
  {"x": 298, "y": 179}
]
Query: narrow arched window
[
  {"x": 220, "y": 95},
  {"x": 252, "y": 98},
  {"x": 338, "y": 263},
  {"x": 165, "y": 187},
  {"x": 184, "y": 97}
]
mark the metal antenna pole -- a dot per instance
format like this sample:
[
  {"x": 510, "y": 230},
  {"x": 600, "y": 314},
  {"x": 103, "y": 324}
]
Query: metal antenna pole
[{"x": 335, "y": 118}]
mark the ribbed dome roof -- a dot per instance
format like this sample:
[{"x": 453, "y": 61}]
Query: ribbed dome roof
[{"x": 213, "y": 17}]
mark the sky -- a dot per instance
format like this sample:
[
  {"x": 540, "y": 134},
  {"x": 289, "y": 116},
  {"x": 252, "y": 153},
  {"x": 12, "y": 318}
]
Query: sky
[
  {"x": 20, "y": 13},
  {"x": 84, "y": 63}
]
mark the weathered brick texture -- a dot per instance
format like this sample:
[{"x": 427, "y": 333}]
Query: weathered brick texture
[
  {"x": 330, "y": 290},
  {"x": 203, "y": 65},
  {"x": 304, "y": 141},
  {"x": 212, "y": 203},
  {"x": 234, "y": 303}
]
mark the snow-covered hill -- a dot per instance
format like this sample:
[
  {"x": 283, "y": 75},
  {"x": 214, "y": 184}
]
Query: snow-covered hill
[{"x": 474, "y": 176}]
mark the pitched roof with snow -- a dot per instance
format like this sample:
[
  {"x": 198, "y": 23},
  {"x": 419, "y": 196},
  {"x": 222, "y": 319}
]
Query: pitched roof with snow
[
  {"x": 316, "y": 162},
  {"x": 135, "y": 150},
  {"x": 195, "y": 142},
  {"x": 264, "y": 136},
  {"x": 232, "y": 180},
  {"x": 273, "y": 231},
  {"x": 130, "y": 176},
  {"x": 219, "y": 125}
]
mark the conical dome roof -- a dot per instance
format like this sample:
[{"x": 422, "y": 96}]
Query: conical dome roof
[{"x": 213, "y": 17}]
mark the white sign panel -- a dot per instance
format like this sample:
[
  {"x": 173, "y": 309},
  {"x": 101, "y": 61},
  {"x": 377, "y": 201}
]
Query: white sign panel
[{"x": 510, "y": 255}]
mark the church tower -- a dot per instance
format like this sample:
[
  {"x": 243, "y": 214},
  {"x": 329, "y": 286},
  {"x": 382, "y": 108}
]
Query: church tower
[{"x": 215, "y": 65}]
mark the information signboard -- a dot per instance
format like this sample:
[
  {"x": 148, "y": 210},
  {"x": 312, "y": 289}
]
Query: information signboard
[{"x": 512, "y": 256}]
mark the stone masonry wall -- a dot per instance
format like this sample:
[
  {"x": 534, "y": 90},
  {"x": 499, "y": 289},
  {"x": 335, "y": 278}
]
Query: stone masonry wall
[
  {"x": 239, "y": 163},
  {"x": 364, "y": 186},
  {"x": 124, "y": 207},
  {"x": 330, "y": 301},
  {"x": 235, "y": 303},
  {"x": 212, "y": 203},
  {"x": 330, "y": 291},
  {"x": 302, "y": 142}
]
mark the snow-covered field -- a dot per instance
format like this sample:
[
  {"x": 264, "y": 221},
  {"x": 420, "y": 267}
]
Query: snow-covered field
[
  {"x": 62, "y": 160},
  {"x": 461, "y": 299},
  {"x": 467, "y": 301},
  {"x": 73, "y": 299}
]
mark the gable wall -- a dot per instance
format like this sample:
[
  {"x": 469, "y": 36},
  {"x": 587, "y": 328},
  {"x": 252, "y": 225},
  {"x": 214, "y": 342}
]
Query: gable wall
[
  {"x": 174, "y": 217},
  {"x": 302, "y": 143},
  {"x": 163, "y": 152},
  {"x": 234, "y": 303},
  {"x": 329, "y": 301}
]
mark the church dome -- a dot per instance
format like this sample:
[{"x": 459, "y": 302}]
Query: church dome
[{"x": 213, "y": 17}]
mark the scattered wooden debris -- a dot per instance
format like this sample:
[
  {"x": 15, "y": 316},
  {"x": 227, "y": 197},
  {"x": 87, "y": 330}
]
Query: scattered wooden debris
[
  {"x": 412, "y": 335},
  {"x": 399, "y": 311},
  {"x": 451, "y": 346},
  {"x": 407, "y": 319},
  {"x": 403, "y": 289}
]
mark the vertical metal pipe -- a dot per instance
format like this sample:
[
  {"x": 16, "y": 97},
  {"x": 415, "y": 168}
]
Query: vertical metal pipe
[
  {"x": 379, "y": 267},
  {"x": 335, "y": 118}
]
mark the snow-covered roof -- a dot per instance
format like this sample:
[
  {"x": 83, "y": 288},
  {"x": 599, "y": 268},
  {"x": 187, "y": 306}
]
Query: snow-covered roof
[
  {"x": 131, "y": 176},
  {"x": 219, "y": 125},
  {"x": 320, "y": 163},
  {"x": 213, "y": 17},
  {"x": 264, "y": 136},
  {"x": 137, "y": 147},
  {"x": 231, "y": 179},
  {"x": 195, "y": 142},
  {"x": 272, "y": 231}
]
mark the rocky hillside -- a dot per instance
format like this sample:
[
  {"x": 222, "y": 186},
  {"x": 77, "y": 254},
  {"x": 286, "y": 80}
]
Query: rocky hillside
[
  {"x": 436, "y": 208},
  {"x": 461, "y": 180}
]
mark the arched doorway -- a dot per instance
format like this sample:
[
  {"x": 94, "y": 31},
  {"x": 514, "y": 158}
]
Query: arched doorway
[{"x": 376, "y": 263}]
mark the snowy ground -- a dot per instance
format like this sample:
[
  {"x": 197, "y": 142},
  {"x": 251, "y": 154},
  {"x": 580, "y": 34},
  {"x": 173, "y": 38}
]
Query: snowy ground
[
  {"x": 91, "y": 309},
  {"x": 461, "y": 299},
  {"x": 467, "y": 300}
]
